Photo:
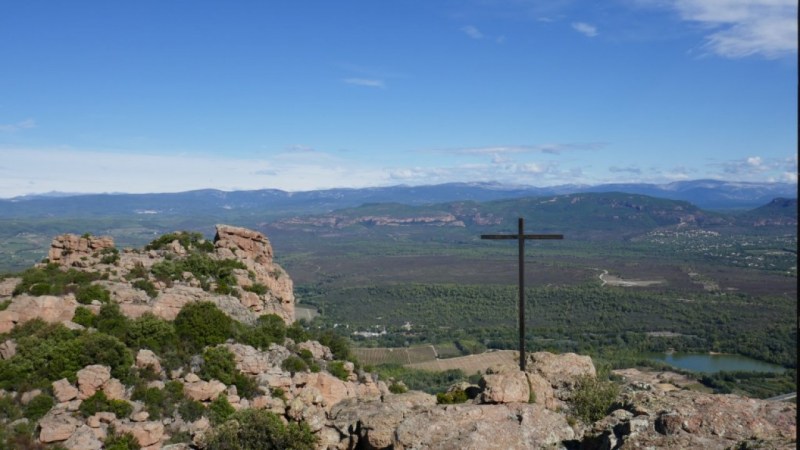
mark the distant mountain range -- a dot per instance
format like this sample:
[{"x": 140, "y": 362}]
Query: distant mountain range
[{"x": 273, "y": 203}]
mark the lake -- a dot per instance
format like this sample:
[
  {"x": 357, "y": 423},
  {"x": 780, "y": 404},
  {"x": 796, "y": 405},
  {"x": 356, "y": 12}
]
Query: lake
[{"x": 705, "y": 363}]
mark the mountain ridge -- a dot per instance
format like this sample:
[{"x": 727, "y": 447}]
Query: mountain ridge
[{"x": 707, "y": 194}]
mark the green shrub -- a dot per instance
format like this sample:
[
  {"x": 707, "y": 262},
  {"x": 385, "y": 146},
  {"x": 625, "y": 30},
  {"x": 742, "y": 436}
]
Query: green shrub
[
  {"x": 293, "y": 364},
  {"x": 38, "y": 407},
  {"x": 398, "y": 388},
  {"x": 220, "y": 409},
  {"x": 257, "y": 288},
  {"x": 191, "y": 410},
  {"x": 51, "y": 280},
  {"x": 83, "y": 316},
  {"x": 120, "y": 441},
  {"x": 452, "y": 397},
  {"x": 188, "y": 240},
  {"x": 252, "y": 429},
  {"x": 50, "y": 352},
  {"x": 339, "y": 345},
  {"x": 297, "y": 333},
  {"x": 88, "y": 293},
  {"x": 151, "y": 332},
  {"x": 110, "y": 320},
  {"x": 218, "y": 363},
  {"x": 4, "y": 304},
  {"x": 246, "y": 386},
  {"x": 336, "y": 368},
  {"x": 201, "y": 324},
  {"x": 138, "y": 271},
  {"x": 109, "y": 256},
  {"x": 592, "y": 398},
  {"x": 99, "y": 402},
  {"x": 268, "y": 329},
  {"x": 147, "y": 286},
  {"x": 9, "y": 410}
]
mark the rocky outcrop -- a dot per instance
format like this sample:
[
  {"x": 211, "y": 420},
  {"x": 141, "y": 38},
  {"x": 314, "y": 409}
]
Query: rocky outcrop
[
  {"x": 688, "y": 419},
  {"x": 49, "y": 308},
  {"x": 71, "y": 250},
  {"x": 513, "y": 426},
  {"x": 254, "y": 250}
]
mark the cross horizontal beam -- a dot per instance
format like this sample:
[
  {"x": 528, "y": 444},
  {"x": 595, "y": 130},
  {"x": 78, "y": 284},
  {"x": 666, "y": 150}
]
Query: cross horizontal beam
[
  {"x": 524, "y": 236},
  {"x": 520, "y": 237}
]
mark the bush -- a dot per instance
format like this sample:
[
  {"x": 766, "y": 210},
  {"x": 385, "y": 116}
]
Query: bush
[
  {"x": 87, "y": 294},
  {"x": 336, "y": 368},
  {"x": 218, "y": 363},
  {"x": 109, "y": 256},
  {"x": 201, "y": 324},
  {"x": 246, "y": 386},
  {"x": 257, "y": 288},
  {"x": 592, "y": 398},
  {"x": 38, "y": 407},
  {"x": 120, "y": 441},
  {"x": 51, "y": 280},
  {"x": 293, "y": 364},
  {"x": 191, "y": 410},
  {"x": 110, "y": 320},
  {"x": 50, "y": 352},
  {"x": 268, "y": 329},
  {"x": 147, "y": 286},
  {"x": 452, "y": 397},
  {"x": 398, "y": 388},
  {"x": 220, "y": 409},
  {"x": 188, "y": 240},
  {"x": 253, "y": 429},
  {"x": 151, "y": 332},
  {"x": 99, "y": 402},
  {"x": 83, "y": 316}
]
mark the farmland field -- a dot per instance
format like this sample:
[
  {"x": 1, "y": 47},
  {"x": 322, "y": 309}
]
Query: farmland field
[
  {"x": 410, "y": 355},
  {"x": 472, "y": 363}
]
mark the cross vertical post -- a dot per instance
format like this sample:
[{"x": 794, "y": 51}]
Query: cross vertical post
[{"x": 521, "y": 237}]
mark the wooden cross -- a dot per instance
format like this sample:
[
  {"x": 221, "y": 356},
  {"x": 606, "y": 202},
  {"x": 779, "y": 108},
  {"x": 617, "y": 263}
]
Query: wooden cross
[{"x": 521, "y": 237}]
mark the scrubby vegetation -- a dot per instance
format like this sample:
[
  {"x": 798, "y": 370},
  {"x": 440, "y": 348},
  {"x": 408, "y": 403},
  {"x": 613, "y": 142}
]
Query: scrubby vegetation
[
  {"x": 252, "y": 429},
  {"x": 593, "y": 398},
  {"x": 52, "y": 280}
]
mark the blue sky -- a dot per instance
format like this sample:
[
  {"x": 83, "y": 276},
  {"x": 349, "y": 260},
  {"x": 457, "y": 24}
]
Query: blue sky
[{"x": 164, "y": 96}]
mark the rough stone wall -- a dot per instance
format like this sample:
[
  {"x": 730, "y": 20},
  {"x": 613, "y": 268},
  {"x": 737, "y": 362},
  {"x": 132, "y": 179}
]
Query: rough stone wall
[{"x": 72, "y": 250}]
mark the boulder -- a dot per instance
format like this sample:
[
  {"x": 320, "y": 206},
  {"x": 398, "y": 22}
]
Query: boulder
[
  {"x": 250, "y": 360},
  {"x": 57, "y": 425},
  {"x": 8, "y": 349},
  {"x": 64, "y": 391},
  {"x": 147, "y": 433},
  {"x": 506, "y": 426},
  {"x": 318, "y": 351},
  {"x": 84, "y": 438},
  {"x": 114, "y": 389},
  {"x": 79, "y": 251},
  {"x": 203, "y": 391},
  {"x": 562, "y": 371},
  {"x": 146, "y": 358},
  {"x": 508, "y": 387},
  {"x": 49, "y": 308},
  {"x": 91, "y": 378}
]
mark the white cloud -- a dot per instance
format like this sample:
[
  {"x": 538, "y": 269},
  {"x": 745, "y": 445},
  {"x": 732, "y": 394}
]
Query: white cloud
[
  {"x": 585, "y": 28},
  {"x": 367, "y": 82},
  {"x": 80, "y": 171},
  {"x": 744, "y": 28},
  {"x": 472, "y": 32},
  {"x": 756, "y": 168},
  {"x": 22, "y": 125},
  {"x": 299, "y": 148},
  {"x": 532, "y": 148}
]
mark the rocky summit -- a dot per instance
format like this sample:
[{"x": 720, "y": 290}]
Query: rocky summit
[{"x": 76, "y": 376}]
